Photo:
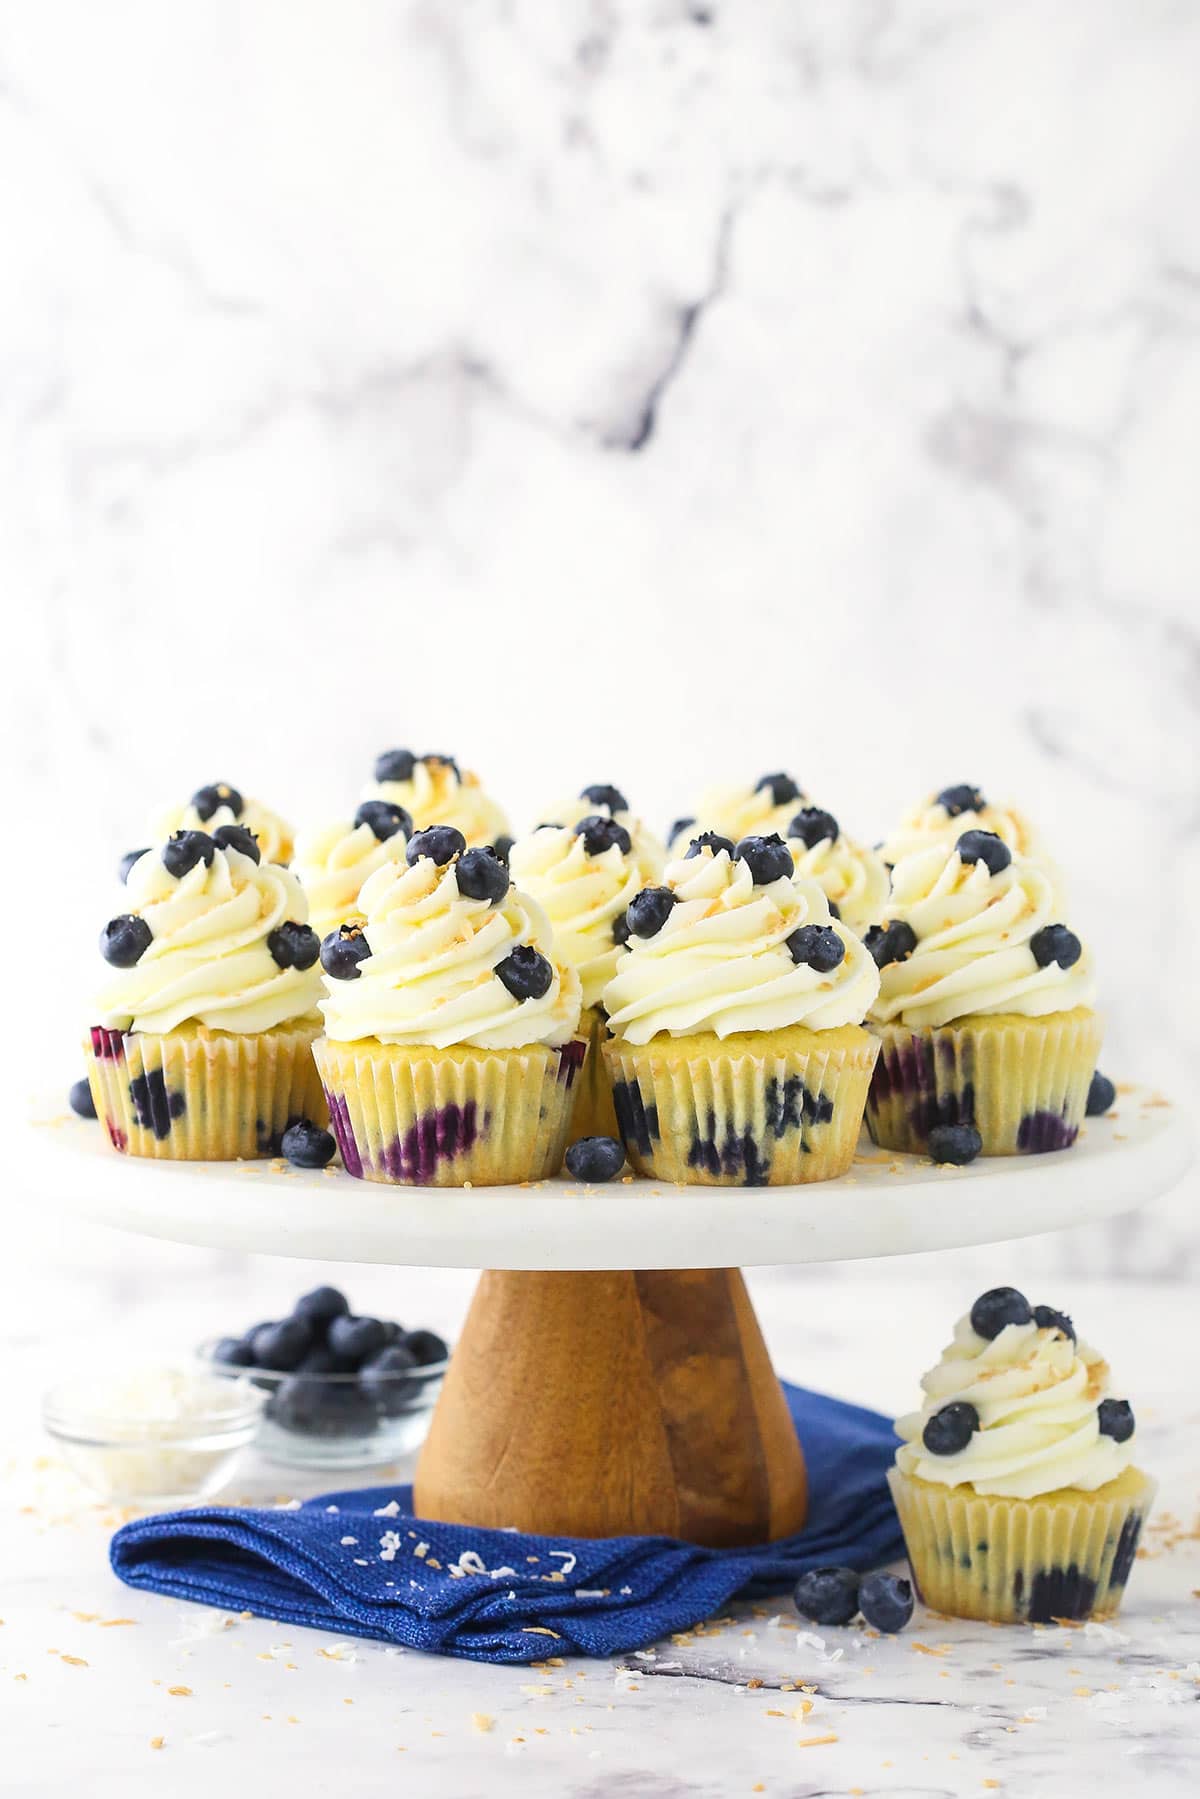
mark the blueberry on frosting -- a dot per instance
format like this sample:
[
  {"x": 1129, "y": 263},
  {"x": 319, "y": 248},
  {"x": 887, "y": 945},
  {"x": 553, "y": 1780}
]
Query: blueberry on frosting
[
  {"x": 502, "y": 847},
  {"x": 998, "y": 1307},
  {"x": 711, "y": 840},
  {"x": 1115, "y": 1418},
  {"x": 184, "y": 849},
  {"x": 950, "y": 1428},
  {"x": 679, "y": 827},
  {"x": 648, "y": 911},
  {"x": 768, "y": 858},
  {"x": 525, "y": 972},
  {"x": 781, "y": 787},
  {"x": 395, "y": 765},
  {"x": 954, "y": 801},
  {"x": 127, "y": 861},
  {"x": 441, "y": 843},
  {"x": 208, "y": 800},
  {"x": 816, "y": 945},
  {"x": 237, "y": 837},
  {"x": 294, "y": 945},
  {"x": 599, "y": 834},
  {"x": 603, "y": 795},
  {"x": 985, "y": 847},
  {"x": 343, "y": 950},
  {"x": 620, "y": 929},
  {"x": 1055, "y": 943},
  {"x": 812, "y": 825},
  {"x": 481, "y": 875},
  {"x": 894, "y": 942},
  {"x": 384, "y": 819},
  {"x": 125, "y": 940},
  {"x": 1047, "y": 1319}
]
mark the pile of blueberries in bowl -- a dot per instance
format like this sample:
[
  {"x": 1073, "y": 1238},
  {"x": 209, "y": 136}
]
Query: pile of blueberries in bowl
[{"x": 342, "y": 1390}]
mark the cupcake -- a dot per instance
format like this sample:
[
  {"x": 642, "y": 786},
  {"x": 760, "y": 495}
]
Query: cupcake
[
  {"x": 984, "y": 1012},
  {"x": 204, "y": 1045},
  {"x": 941, "y": 819},
  {"x": 605, "y": 801},
  {"x": 737, "y": 1054},
  {"x": 853, "y": 878},
  {"x": 433, "y": 790},
  {"x": 213, "y": 807},
  {"x": 333, "y": 863},
  {"x": 1015, "y": 1482},
  {"x": 735, "y": 811},
  {"x": 450, "y": 1049},
  {"x": 584, "y": 876}
]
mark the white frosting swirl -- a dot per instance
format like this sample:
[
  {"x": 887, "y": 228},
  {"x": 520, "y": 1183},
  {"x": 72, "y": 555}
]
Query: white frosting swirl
[
  {"x": 1037, "y": 1395},
  {"x": 648, "y": 850},
  {"x": 208, "y": 961},
  {"x": 736, "y": 811},
  {"x": 437, "y": 794},
  {"x": 973, "y": 951},
  {"x": 928, "y": 823},
  {"x": 333, "y": 864},
  {"x": 720, "y": 963},
  {"x": 273, "y": 833},
  {"x": 582, "y": 895},
  {"x": 430, "y": 979},
  {"x": 851, "y": 876}
]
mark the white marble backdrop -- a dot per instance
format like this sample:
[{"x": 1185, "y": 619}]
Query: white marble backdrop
[{"x": 618, "y": 391}]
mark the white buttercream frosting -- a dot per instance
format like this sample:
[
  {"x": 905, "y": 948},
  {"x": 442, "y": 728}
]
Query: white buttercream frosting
[
  {"x": 851, "y": 876},
  {"x": 582, "y": 895},
  {"x": 437, "y": 793},
  {"x": 738, "y": 810},
  {"x": 648, "y": 849},
  {"x": 929, "y": 823},
  {"x": 274, "y": 834},
  {"x": 333, "y": 864}
]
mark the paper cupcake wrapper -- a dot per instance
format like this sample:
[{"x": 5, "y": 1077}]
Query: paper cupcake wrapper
[
  {"x": 594, "y": 1114},
  {"x": 1017, "y": 1561},
  {"x": 442, "y": 1117},
  {"x": 1022, "y": 1082},
  {"x": 198, "y": 1095},
  {"x": 767, "y": 1109}
]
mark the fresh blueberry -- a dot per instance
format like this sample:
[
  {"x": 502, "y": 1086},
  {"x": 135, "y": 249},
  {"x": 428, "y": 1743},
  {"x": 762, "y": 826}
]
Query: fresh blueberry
[
  {"x": 602, "y": 795},
  {"x": 649, "y": 910},
  {"x": 182, "y": 851},
  {"x": 956, "y": 1143},
  {"x": 237, "y": 837},
  {"x": 321, "y": 1306},
  {"x": 998, "y": 1307},
  {"x": 595, "y": 1159},
  {"x": 127, "y": 861},
  {"x": 234, "y": 1352},
  {"x": 985, "y": 847},
  {"x": 817, "y": 945},
  {"x": 827, "y": 1595},
  {"x": 599, "y": 834},
  {"x": 767, "y": 858},
  {"x": 812, "y": 826},
  {"x": 957, "y": 800},
  {"x": 885, "y": 1601},
  {"x": 678, "y": 828},
  {"x": 392, "y": 1332},
  {"x": 950, "y": 1428},
  {"x": 343, "y": 950},
  {"x": 125, "y": 940},
  {"x": 481, "y": 875},
  {"x": 710, "y": 840},
  {"x": 432, "y": 761},
  {"x": 1054, "y": 943},
  {"x": 425, "y": 1347},
  {"x": 395, "y": 765},
  {"x": 384, "y": 819},
  {"x": 306, "y": 1145},
  {"x": 1047, "y": 1319},
  {"x": 503, "y": 847},
  {"x": 1115, "y": 1417},
  {"x": 441, "y": 843},
  {"x": 525, "y": 972},
  {"x": 357, "y": 1339},
  {"x": 313, "y": 1407},
  {"x": 1102, "y": 1095},
  {"x": 894, "y": 942},
  {"x": 385, "y": 1379},
  {"x": 320, "y": 1359},
  {"x": 81, "y": 1101},
  {"x": 621, "y": 929},
  {"x": 281, "y": 1346},
  {"x": 782, "y": 788},
  {"x": 294, "y": 945},
  {"x": 208, "y": 800}
]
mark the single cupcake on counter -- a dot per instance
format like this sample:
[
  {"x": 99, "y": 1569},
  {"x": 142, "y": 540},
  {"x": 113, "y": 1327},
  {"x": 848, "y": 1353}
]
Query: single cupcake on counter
[
  {"x": 605, "y": 801},
  {"x": 737, "y": 1053},
  {"x": 735, "y": 811},
  {"x": 204, "y": 1041},
  {"x": 584, "y": 876},
  {"x": 334, "y": 863},
  {"x": 433, "y": 790},
  {"x": 853, "y": 878},
  {"x": 450, "y": 1050},
  {"x": 984, "y": 1012},
  {"x": 218, "y": 805},
  {"x": 942, "y": 818},
  {"x": 1015, "y": 1482}
]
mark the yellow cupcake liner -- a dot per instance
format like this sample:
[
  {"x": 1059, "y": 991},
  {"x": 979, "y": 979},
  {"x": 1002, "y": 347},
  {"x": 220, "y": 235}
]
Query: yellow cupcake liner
[
  {"x": 594, "y": 1115},
  {"x": 442, "y": 1117},
  {"x": 1066, "y": 1555},
  {"x": 1022, "y": 1082},
  {"x": 193, "y": 1094},
  {"x": 762, "y": 1108}
]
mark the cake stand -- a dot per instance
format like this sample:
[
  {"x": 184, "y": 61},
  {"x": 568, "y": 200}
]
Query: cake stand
[{"x": 611, "y": 1378}]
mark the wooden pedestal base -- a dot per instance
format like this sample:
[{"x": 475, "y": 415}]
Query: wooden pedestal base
[{"x": 600, "y": 1405}]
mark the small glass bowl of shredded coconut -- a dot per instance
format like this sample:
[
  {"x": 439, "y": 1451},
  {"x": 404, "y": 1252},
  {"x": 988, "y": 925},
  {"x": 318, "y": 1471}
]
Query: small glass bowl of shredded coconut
[{"x": 153, "y": 1436}]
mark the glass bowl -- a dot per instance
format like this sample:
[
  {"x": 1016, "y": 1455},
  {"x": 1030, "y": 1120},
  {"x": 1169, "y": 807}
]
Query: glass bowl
[{"x": 337, "y": 1420}]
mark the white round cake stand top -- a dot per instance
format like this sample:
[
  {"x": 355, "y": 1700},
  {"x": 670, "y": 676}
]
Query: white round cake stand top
[{"x": 887, "y": 1205}]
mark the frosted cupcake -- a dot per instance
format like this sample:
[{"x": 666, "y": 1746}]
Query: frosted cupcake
[
  {"x": 735, "y": 810},
  {"x": 433, "y": 790},
  {"x": 737, "y": 1053},
  {"x": 984, "y": 1012},
  {"x": 204, "y": 1045},
  {"x": 450, "y": 1049},
  {"x": 605, "y": 801},
  {"x": 218, "y": 805},
  {"x": 334, "y": 863},
  {"x": 853, "y": 878},
  {"x": 1015, "y": 1482},
  {"x": 941, "y": 819}
]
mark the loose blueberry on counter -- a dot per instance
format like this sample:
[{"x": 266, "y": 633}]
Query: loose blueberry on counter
[
  {"x": 127, "y": 861},
  {"x": 998, "y": 1307},
  {"x": 603, "y": 795},
  {"x": 649, "y": 910},
  {"x": 599, "y": 834},
  {"x": 306, "y": 1145},
  {"x": 812, "y": 826},
  {"x": 425, "y": 1347},
  {"x": 621, "y": 929},
  {"x": 281, "y": 1347},
  {"x": 782, "y": 788},
  {"x": 1047, "y": 1319},
  {"x": 816, "y": 945},
  {"x": 321, "y": 1306},
  {"x": 950, "y": 1428},
  {"x": 894, "y": 942},
  {"x": 1115, "y": 1418},
  {"x": 595, "y": 1159},
  {"x": 395, "y": 765},
  {"x": 441, "y": 843},
  {"x": 885, "y": 1601},
  {"x": 81, "y": 1101},
  {"x": 503, "y": 848},
  {"x": 182, "y": 851},
  {"x": 711, "y": 840},
  {"x": 234, "y": 1352},
  {"x": 678, "y": 828},
  {"x": 1055, "y": 943},
  {"x": 957, "y": 1144},
  {"x": 1101, "y": 1096},
  {"x": 985, "y": 847},
  {"x": 384, "y": 819},
  {"x": 358, "y": 1339},
  {"x": 293, "y": 945},
  {"x": 125, "y": 940},
  {"x": 767, "y": 858},
  {"x": 525, "y": 972},
  {"x": 208, "y": 800},
  {"x": 957, "y": 800},
  {"x": 827, "y": 1595},
  {"x": 343, "y": 950},
  {"x": 237, "y": 837},
  {"x": 481, "y": 875}
]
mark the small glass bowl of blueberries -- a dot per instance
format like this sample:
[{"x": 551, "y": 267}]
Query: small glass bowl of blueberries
[{"x": 342, "y": 1390}]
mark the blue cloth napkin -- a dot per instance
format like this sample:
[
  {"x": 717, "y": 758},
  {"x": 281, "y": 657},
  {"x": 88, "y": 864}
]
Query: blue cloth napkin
[{"x": 359, "y": 1562}]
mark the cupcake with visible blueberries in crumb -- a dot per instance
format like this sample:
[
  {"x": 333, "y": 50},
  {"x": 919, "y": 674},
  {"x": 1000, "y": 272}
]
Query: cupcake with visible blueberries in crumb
[
  {"x": 853, "y": 878},
  {"x": 334, "y": 863},
  {"x": 433, "y": 790},
  {"x": 737, "y": 1053},
  {"x": 985, "y": 1008},
  {"x": 1015, "y": 1482},
  {"x": 203, "y": 1047},
  {"x": 451, "y": 1046},
  {"x": 217, "y": 806},
  {"x": 736, "y": 810}
]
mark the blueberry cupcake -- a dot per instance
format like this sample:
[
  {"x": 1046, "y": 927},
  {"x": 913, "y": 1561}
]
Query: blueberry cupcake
[
  {"x": 433, "y": 790},
  {"x": 333, "y": 863},
  {"x": 451, "y": 1049},
  {"x": 602, "y": 800},
  {"x": 984, "y": 1013},
  {"x": 204, "y": 1043},
  {"x": 1015, "y": 1482},
  {"x": 853, "y": 878},
  {"x": 941, "y": 818},
  {"x": 219, "y": 805},
  {"x": 737, "y": 1054},
  {"x": 735, "y": 810}
]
